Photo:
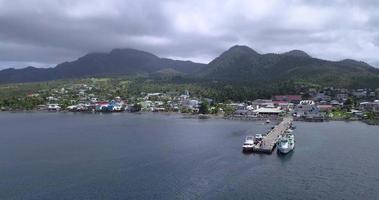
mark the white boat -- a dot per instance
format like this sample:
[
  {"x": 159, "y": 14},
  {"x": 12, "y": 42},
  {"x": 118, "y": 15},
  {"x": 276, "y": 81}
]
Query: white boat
[
  {"x": 288, "y": 131},
  {"x": 258, "y": 137},
  {"x": 286, "y": 143},
  {"x": 248, "y": 145}
]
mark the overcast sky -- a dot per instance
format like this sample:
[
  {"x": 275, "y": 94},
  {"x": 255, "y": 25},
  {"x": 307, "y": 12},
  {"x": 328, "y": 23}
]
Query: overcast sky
[{"x": 43, "y": 33}]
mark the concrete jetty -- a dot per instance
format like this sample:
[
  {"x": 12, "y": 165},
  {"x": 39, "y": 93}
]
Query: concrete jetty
[{"x": 269, "y": 142}]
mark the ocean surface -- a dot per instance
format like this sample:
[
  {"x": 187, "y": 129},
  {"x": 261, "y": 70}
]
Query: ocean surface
[{"x": 159, "y": 156}]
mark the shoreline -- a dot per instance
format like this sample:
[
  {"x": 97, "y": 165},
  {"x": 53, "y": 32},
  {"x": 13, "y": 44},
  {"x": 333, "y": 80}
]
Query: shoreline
[{"x": 203, "y": 116}]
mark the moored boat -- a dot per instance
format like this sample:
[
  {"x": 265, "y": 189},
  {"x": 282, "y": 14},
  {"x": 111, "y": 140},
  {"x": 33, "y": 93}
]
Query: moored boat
[
  {"x": 248, "y": 145},
  {"x": 286, "y": 143},
  {"x": 288, "y": 131},
  {"x": 258, "y": 137}
]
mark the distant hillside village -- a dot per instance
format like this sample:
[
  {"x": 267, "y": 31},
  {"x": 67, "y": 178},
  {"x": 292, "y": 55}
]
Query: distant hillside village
[{"x": 311, "y": 105}]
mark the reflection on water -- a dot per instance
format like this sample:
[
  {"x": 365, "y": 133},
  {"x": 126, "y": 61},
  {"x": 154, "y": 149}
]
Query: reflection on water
[
  {"x": 284, "y": 157},
  {"x": 153, "y": 156}
]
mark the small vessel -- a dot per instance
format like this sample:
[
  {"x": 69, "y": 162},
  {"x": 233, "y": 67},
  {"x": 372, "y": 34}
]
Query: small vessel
[
  {"x": 258, "y": 137},
  {"x": 268, "y": 121},
  {"x": 288, "y": 130},
  {"x": 286, "y": 143},
  {"x": 248, "y": 145}
]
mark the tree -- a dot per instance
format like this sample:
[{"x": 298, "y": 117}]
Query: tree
[
  {"x": 204, "y": 108},
  {"x": 136, "y": 107},
  {"x": 349, "y": 103}
]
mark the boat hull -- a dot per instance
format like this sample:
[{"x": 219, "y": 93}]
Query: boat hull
[
  {"x": 247, "y": 149},
  {"x": 285, "y": 150}
]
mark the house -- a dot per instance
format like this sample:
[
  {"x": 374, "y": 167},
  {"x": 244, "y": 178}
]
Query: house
[
  {"x": 146, "y": 105},
  {"x": 51, "y": 98},
  {"x": 342, "y": 96},
  {"x": 190, "y": 103},
  {"x": 262, "y": 103},
  {"x": 33, "y": 95},
  {"x": 153, "y": 96},
  {"x": 370, "y": 106},
  {"x": 306, "y": 107},
  {"x": 321, "y": 96},
  {"x": 238, "y": 106},
  {"x": 359, "y": 93},
  {"x": 53, "y": 107},
  {"x": 288, "y": 98},
  {"x": 284, "y": 105},
  {"x": 335, "y": 103},
  {"x": 93, "y": 100},
  {"x": 325, "y": 108}
]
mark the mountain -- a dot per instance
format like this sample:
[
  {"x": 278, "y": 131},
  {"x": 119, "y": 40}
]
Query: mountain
[
  {"x": 237, "y": 65},
  {"x": 116, "y": 62},
  {"x": 241, "y": 64},
  {"x": 297, "y": 53}
]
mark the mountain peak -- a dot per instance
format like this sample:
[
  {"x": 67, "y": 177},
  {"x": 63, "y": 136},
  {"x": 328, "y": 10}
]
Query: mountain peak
[
  {"x": 297, "y": 53},
  {"x": 128, "y": 51},
  {"x": 242, "y": 49}
]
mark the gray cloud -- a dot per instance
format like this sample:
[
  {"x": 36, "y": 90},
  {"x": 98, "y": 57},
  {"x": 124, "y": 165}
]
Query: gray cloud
[{"x": 47, "y": 32}]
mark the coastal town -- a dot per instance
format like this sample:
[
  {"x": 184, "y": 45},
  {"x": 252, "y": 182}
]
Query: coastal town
[{"x": 310, "y": 104}]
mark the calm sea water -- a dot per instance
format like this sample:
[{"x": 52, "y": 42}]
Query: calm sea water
[{"x": 155, "y": 156}]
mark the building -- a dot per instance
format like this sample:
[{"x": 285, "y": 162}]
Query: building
[
  {"x": 359, "y": 93},
  {"x": 284, "y": 105},
  {"x": 53, "y": 107},
  {"x": 342, "y": 96},
  {"x": 266, "y": 103},
  {"x": 268, "y": 111},
  {"x": 321, "y": 97},
  {"x": 370, "y": 106},
  {"x": 288, "y": 98},
  {"x": 325, "y": 108},
  {"x": 306, "y": 107}
]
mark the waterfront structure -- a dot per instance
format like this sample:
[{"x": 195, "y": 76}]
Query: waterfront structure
[
  {"x": 306, "y": 107},
  {"x": 269, "y": 142},
  {"x": 268, "y": 111}
]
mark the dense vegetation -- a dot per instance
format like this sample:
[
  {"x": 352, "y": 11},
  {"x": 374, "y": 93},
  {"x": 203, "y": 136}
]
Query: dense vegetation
[
  {"x": 17, "y": 96},
  {"x": 240, "y": 68},
  {"x": 239, "y": 74},
  {"x": 242, "y": 65}
]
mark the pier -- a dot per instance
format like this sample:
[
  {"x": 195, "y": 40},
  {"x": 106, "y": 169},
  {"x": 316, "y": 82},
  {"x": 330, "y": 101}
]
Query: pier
[{"x": 269, "y": 142}]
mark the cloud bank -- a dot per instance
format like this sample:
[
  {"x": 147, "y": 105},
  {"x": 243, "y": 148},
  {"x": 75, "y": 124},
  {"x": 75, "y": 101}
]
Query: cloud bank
[{"x": 47, "y": 32}]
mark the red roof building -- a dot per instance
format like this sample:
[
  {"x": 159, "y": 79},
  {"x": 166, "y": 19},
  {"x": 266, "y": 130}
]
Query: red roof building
[{"x": 288, "y": 98}]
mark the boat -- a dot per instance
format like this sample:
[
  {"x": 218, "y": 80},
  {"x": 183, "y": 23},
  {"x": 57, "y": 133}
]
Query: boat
[
  {"x": 258, "y": 137},
  {"x": 288, "y": 130},
  {"x": 286, "y": 143},
  {"x": 248, "y": 145},
  {"x": 268, "y": 121}
]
